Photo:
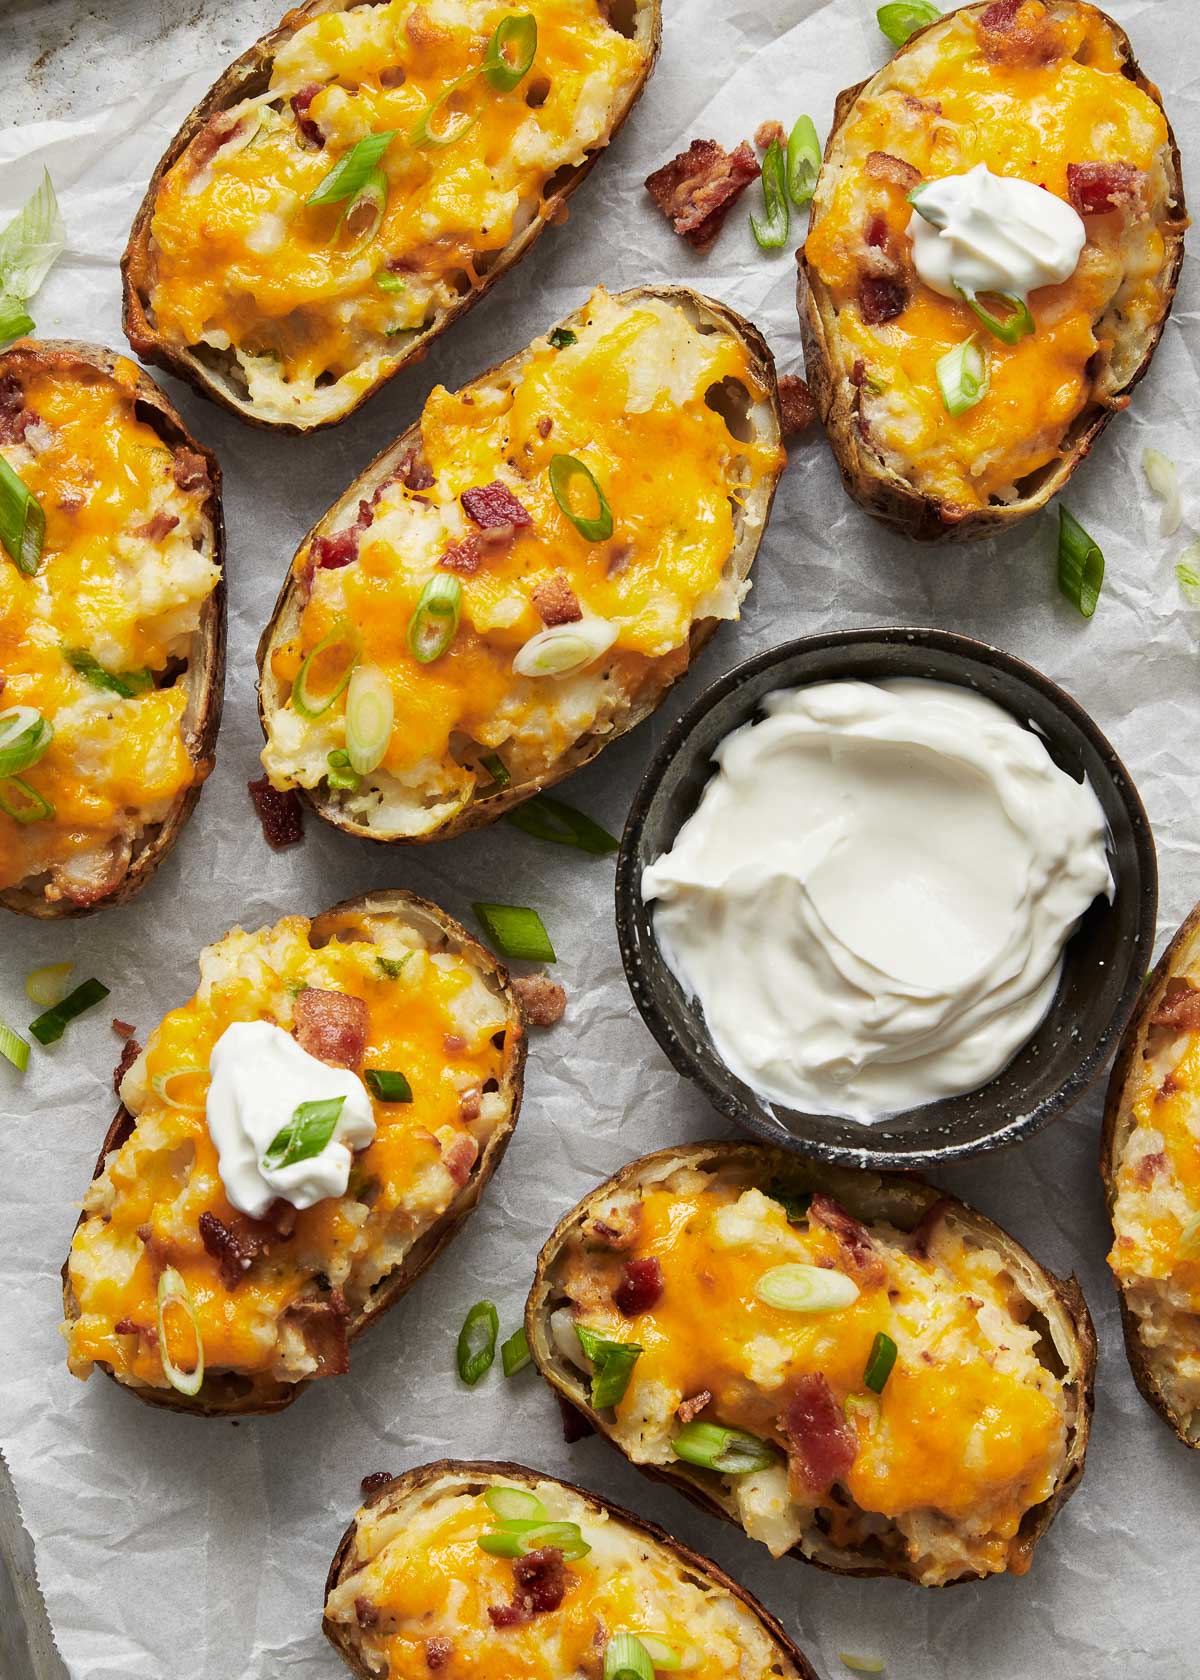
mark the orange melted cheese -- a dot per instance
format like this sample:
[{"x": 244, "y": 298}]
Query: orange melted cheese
[
  {"x": 945, "y": 107},
  {"x": 99, "y": 474},
  {"x": 165, "y": 1176}
]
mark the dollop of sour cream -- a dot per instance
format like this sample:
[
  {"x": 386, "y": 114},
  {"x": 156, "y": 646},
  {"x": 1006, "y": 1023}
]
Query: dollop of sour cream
[
  {"x": 871, "y": 900},
  {"x": 260, "y": 1077},
  {"x": 992, "y": 233}
]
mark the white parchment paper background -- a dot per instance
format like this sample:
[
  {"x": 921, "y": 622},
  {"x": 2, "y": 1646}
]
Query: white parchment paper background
[{"x": 176, "y": 1549}]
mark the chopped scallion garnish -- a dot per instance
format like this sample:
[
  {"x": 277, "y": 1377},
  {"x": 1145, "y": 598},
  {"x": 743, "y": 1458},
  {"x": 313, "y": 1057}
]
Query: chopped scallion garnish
[
  {"x": 15, "y": 319},
  {"x": 49, "y": 1026},
  {"x": 339, "y": 774},
  {"x": 29, "y": 246},
  {"x": 393, "y": 967},
  {"x": 626, "y": 1658},
  {"x": 771, "y": 229},
  {"x": 22, "y": 521},
  {"x": 496, "y": 769},
  {"x": 305, "y": 1135},
  {"x": 561, "y": 337},
  {"x": 666, "y": 1656},
  {"x": 518, "y": 1539},
  {"x": 879, "y": 1362},
  {"x": 363, "y": 216},
  {"x": 1010, "y": 329},
  {"x": 515, "y": 1354},
  {"x": 13, "y": 1047},
  {"x": 173, "y": 1291},
  {"x": 565, "y": 648},
  {"x": 1187, "y": 573},
  {"x": 795, "y": 1203},
  {"x": 347, "y": 178},
  {"x": 388, "y": 1085},
  {"x": 903, "y": 18},
  {"x": 23, "y": 803},
  {"x": 340, "y": 650},
  {"x": 803, "y": 161},
  {"x": 477, "y": 1342},
  {"x": 1163, "y": 479},
  {"x": 612, "y": 1365},
  {"x": 390, "y": 282},
  {"x": 731, "y": 1452},
  {"x": 124, "y": 683},
  {"x": 512, "y": 1504},
  {"x": 49, "y": 985},
  {"x": 434, "y": 624},
  {"x": 546, "y": 818},
  {"x": 431, "y": 130},
  {"x": 1080, "y": 564},
  {"x": 24, "y": 737},
  {"x": 517, "y": 932},
  {"x": 805, "y": 1289},
  {"x": 369, "y": 718},
  {"x": 963, "y": 375},
  {"x": 510, "y": 52},
  {"x": 565, "y": 470}
]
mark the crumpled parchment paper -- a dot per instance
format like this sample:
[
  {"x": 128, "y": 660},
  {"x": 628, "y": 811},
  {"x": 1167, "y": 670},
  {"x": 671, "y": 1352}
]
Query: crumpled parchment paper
[{"x": 171, "y": 1546}]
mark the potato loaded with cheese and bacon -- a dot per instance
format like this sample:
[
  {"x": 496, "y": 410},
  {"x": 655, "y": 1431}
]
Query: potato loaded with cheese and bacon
[
  {"x": 294, "y": 1147},
  {"x": 521, "y": 577},
  {"x": 851, "y": 1368},
  {"x": 112, "y": 626},
  {"x": 996, "y": 237},
  {"x": 358, "y": 178}
]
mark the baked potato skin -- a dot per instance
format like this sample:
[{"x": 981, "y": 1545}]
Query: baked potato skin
[
  {"x": 479, "y": 813},
  {"x": 245, "y": 77},
  {"x": 885, "y": 494},
  {"x": 205, "y": 677},
  {"x": 865, "y": 1195},
  {"x": 225, "y": 1395},
  {"x": 1181, "y": 954},
  {"x": 414, "y": 1482}
]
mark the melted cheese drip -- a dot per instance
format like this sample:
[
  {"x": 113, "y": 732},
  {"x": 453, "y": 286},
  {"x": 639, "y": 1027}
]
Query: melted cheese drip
[{"x": 1027, "y": 121}]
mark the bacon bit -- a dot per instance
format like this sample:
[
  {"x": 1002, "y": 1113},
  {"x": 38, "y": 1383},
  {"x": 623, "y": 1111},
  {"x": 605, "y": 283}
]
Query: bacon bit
[
  {"x": 126, "y": 1327},
  {"x": 331, "y": 553},
  {"x": 543, "y": 1000},
  {"x": 541, "y": 1584},
  {"x": 470, "y": 1107},
  {"x": 545, "y": 426},
  {"x": 858, "y": 373},
  {"x": 489, "y": 505},
  {"x": 324, "y": 1327},
  {"x": 689, "y": 1409},
  {"x": 932, "y": 106},
  {"x": 1149, "y": 1167},
  {"x": 438, "y": 1652},
  {"x": 619, "y": 556},
  {"x": 821, "y": 1443},
  {"x": 190, "y": 471},
  {"x": 882, "y": 166},
  {"x": 880, "y": 299},
  {"x": 129, "y": 1054},
  {"x": 1096, "y": 188},
  {"x": 365, "y": 1613},
  {"x": 453, "y": 1044},
  {"x": 617, "y": 1230},
  {"x": 332, "y": 1026},
  {"x": 280, "y": 1217},
  {"x": 123, "y": 1029},
  {"x": 234, "y": 1248},
  {"x": 575, "y": 1426},
  {"x": 640, "y": 1288},
  {"x": 377, "y": 1479},
  {"x": 854, "y": 1240},
  {"x": 699, "y": 187},
  {"x": 414, "y": 472},
  {"x": 281, "y": 814},
  {"x": 1168, "y": 1087},
  {"x": 496, "y": 539},
  {"x": 307, "y": 125},
  {"x": 15, "y": 418},
  {"x": 796, "y": 406},
  {"x": 766, "y": 132},
  {"x": 556, "y": 602},
  {"x": 393, "y": 76},
  {"x": 462, "y": 557},
  {"x": 157, "y": 527},
  {"x": 1018, "y": 32},
  {"x": 877, "y": 232},
  {"x": 1180, "y": 1008},
  {"x": 921, "y": 1236}
]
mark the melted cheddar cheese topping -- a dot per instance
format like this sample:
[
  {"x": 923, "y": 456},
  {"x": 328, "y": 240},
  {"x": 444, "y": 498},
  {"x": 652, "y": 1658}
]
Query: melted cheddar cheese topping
[
  {"x": 241, "y": 264},
  {"x": 431, "y": 1017},
  {"x": 944, "y": 106},
  {"x": 967, "y": 1435},
  {"x": 633, "y": 398},
  {"x": 128, "y": 563},
  {"x": 423, "y": 1576}
]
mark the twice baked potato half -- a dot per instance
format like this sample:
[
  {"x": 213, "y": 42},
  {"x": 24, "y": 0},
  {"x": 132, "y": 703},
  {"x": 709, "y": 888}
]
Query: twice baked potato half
[
  {"x": 112, "y": 626},
  {"x": 358, "y": 179},
  {"x": 429, "y": 1577},
  {"x": 220, "y": 1264},
  {"x": 522, "y": 576},
  {"x": 953, "y": 413},
  {"x": 852, "y": 1368},
  {"x": 1151, "y": 1171}
]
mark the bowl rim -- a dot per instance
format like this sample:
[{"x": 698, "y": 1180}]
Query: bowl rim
[{"x": 645, "y": 991}]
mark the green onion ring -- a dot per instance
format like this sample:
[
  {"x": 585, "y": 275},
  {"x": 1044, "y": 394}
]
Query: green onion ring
[
  {"x": 1015, "y": 327},
  {"x": 49, "y": 985},
  {"x": 373, "y": 194},
  {"x": 424, "y": 131},
  {"x": 434, "y": 623},
  {"x": 162, "y": 1082},
  {"x": 24, "y": 736},
  {"x": 1080, "y": 564},
  {"x": 13, "y": 1047},
  {"x": 22, "y": 521},
  {"x": 496, "y": 769},
  {"x": 387, "y": 1085},
  {"x": 564, "y": 470},
  {"x": 803, "y": 161},
  {"x": 612, "y": 1365},
  {"x": 661, "y": 1652},
  {"x": 879, "y": 1362},
  {"x": 795, "y": 1203},
  {"x": 173, "y": 1291},
  {"x": 771, "y": 230},
  {"x": 963, "y": 376},
  {"x": 311, "y": 705},
  {"x": 347, "y": 178},
  {"x": 24, "y": 804},
  {"x": 626, "y": 1658},
  {"x": 369, "y": 718},
  {"x": 805, "y": 1289},
  {"x": 713, "y": 1446},
  {"x": 514, "y": 1504},
  {"x": 503, "y": 71},
  {"x": 514, "y": 1353},
  {"x": 477, "y": 1342},
  {"x": 903, "y": 18}
]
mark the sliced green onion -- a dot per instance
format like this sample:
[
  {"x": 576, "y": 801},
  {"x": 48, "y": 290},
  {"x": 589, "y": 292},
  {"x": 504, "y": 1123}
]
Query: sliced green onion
[
  {"x": 363, "y": 216},
  {"x": 561, "y": 337},
  {"x": 510, "y": 51},
  {"x": 935, "y": 217},
  {"x": 124, "y": 683},
  {"x": 565, "y": 648},
  {"x": 24, "y": 804},
  {"x": 388, "y": 1085},
  {"x": 795, "y": 1203},
  {"x": 903, "y": 18},
  {"x": 661, "y": 1652},
  {"x": 24, "y": 736},
  {"x": 305, "y": 1135},
  {"x": 173, "y": 1291},
  {"x": 1080, "y": 564},
  {"x": 1188, "y": 574},
  {"x": 427, "y": 130},
  {"x": 496, "y": 769},
  {"x": 612, "y": 1363},
  {"x": 518, "y": 1540},
  {"x": 1013, "y": 327},
  {"x": 861, "y": 1665},
  {"x": 49, "y": 1026},
  {"x": 15, "y": 319},
  {"x": 626, "y": 1658},
  {"x": 13, "y": 1048},
  {"x": 771, "y": 230},
  {"x": 879, "y": 1362},
  {"x": 803, "y": 161},
  {"x": 339, "y": 773},
  {"x": 515, "y": 1354},
  {"x": 963, "y": 376},
  {"x": 305, "y": 699},
  {"x": 807, "y": 1289},
  {"x": 31, "y": 243},
  {"x": 434, "y": 624},
  {"x": 369, "y": 718},
  {"x": 551, "y": 819},
  {"x": 516, "y": 932},
  {"x": 732, "y": 1452},
  {"x": 514, "y": 1504},
  {"x": 864, "y": 1406},
  {"x": 22, "y": 521},
  {"x": 1163, "y": 479},
  {"x": 347, "y": 178},
  {"x": 1188, "y": 1246},
  {"x": 564, "y": 470},
  {"x": 477, "y": 1342},
  {"x": 393, "y": 967},
  {"x": 163, "y": 1086},
  {"x": 390, "y": 282},
  {"x": 48, "y": 986}
]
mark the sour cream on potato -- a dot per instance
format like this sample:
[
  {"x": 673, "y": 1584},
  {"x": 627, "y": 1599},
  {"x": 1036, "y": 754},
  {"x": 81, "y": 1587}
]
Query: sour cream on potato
[{"x": 992, "y": 233}]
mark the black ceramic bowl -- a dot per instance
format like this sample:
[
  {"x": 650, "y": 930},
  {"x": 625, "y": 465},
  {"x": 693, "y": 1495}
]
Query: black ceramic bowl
[{"x": 1105, "y": 961}]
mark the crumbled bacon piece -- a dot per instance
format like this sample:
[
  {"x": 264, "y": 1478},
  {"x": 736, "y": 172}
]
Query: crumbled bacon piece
[
  {"x": 462, "y": 557},
  {"x": 158, "y": 526},
  {"x": 877, "y": 232},
  {"x": 130, "y": 1051},
  {"x": 1018, "y": 32},
  {"x": 619, "y": 556},
  {"x": 796, "y": 406},
  {"x": 332, "y": 552},
  {"x": 190, "y": 471},
  {"x": 882, "y": 166},
  {"x": 438, "y": 1652},
  {"x": 366, "y": 1614},
  {"x": 556, "y": 602},
  {"x": 821, "y": 1443},
  {"x": 308, "y": 126},
  {"x": 1179, "y": 1009},
  {"x": 689, "y": 1409},
  {"x": 453, "y": 1044},
  {"x": 543, "y": 1000},
  {"x": 1149, "y": 1167},
  {"x": 575, "y": 1426},
  {"x": 640, "y": 1288},
  {"x": 541, "y": 1584},
  {"x": 15, "y": 418},
  {"x": 932, "y": 106},
  {"x": 766, "y": 132},
  {"x": 332, "y": 1026},
  {"x": 377, "y": 1479},
  {"x": 281, "y": 1218},
  {"x": 859, "y": 1254},
  {"x": 127, "y": 1327},
  {"x": 880, "y": 299},
  {"x": 393, "y": 76},
  {"x": 323, "y": 1324},
  {"x": 492, "y": 505},
  {"x": 545, "y": 426},
  {"x": 617, "y": 1230},
  {"x": 1096, "y": 188},
  {"x": 234, "y": 1247},
  {"x": 414, "y": 472},
  {"x": 281, "y": 814},
  {"x": 697, "y": 189},
  {"x": 123, "y": 1029},
  {"x": 470, "y": 1104}
]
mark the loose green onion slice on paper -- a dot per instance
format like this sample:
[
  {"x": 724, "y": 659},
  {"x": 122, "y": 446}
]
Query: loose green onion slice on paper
[
  {"x": 1010, "y": 329},
  {"x": 363, "y": 215},
  {"x": 496, "y": 769},
  {"x": 305, "y": 1135},
  {"x": 23, "y": 803},
  {"x": 434, "y": 623},
  {"x": 879, "y": 1362},
  {"x": 514, "y": 1353},
  {"x": 803, "y": 161},
  {"x": 1187, "y": 573},
  {"x": 510, "y": 51},
  {"x": 517, "y": 932},
  {"x": 24, "y": 736},
  {"x": 771, "y": 229},
  {"x": 13, "y": 1047},
  {"x": 22, "y": 521},
  {"x": 514, "y": 1505},
  {"x": 612, "y": 1364},
  {"x": 732, "y": 1452},
  {"x": 388, "y": 1084},
  {"x": 806, "y": 1289},
  {"x": 626, "y": 1658},
  {"x": 1188, "y": 1246},
  {"x": 49, "y": 1026},
  {"x": 565, "y": 472},
  {"x": 438, "y": 125},
  {"x": 795, "y": 1203},
  {"x": 347, "y": 178},
  {"x": 661, "y": 1652},
  {"x": 511, "y": 1540},
  {"x": 1080, "y": 564},
  {"x": 369, "y": 718},
  {"x": 1163, "y": 479},
  {"x": 477, "y": 1342},
  {"x": 963, "y": 376},
  {"x": 903, "y": 18},
  {"x": 546, "y": 818},
  {"x": 174, "y": 1292},
  {"x": 307, "y": 699},
  {"x": 561, "y": 337},
  {"x": 124, "y": 683},
  {"x": 339, "y": 774},
  {"x": 15, "y": 319},
  {"x": 49, "y": 985},
  {"x": 31, "y": 243}
]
